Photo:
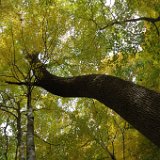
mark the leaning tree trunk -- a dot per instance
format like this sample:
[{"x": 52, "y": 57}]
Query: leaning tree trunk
[{"x": 137, "y": 105}]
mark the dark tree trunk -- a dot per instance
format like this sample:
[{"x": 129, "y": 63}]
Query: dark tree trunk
[{"x": 137, "y": 105}]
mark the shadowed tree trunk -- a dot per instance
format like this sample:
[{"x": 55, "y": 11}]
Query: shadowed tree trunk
[
  {"x": 137, "y": 105},
  {"x": 20, "y": 144},
  {"x": 30, "y": 146}
]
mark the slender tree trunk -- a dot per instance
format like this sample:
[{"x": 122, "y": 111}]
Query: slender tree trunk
[
  {"x": 6, "y": 140},
  {"x": 123, "y": 145},
  {"x": 30, "y": 128},
  {"x": 20, "y": 145}
]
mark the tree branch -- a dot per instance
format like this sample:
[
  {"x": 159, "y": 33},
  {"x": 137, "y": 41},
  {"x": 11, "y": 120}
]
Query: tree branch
[
  {"x": 21, "y": 83},
  {"x": 152, "y": 20},
  {"x": 52, "y": 144},
  {"x": 3, "y": 109}
]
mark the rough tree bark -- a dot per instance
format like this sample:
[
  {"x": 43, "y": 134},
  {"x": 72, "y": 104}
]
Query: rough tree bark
[{"x": 137, "y": 105}]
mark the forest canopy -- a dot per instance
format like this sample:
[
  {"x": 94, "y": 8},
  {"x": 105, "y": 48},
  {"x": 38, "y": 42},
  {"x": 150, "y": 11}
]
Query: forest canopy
[{"x": 72, "y": 38}]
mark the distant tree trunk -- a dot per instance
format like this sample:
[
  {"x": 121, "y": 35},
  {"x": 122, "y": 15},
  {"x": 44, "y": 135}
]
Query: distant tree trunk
[
  {"x": 137, "y": 105},
  {"x": 30, "y": 127},
  {"x": 20, "y": 145},
  {"x": 6, "y": 140}
]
